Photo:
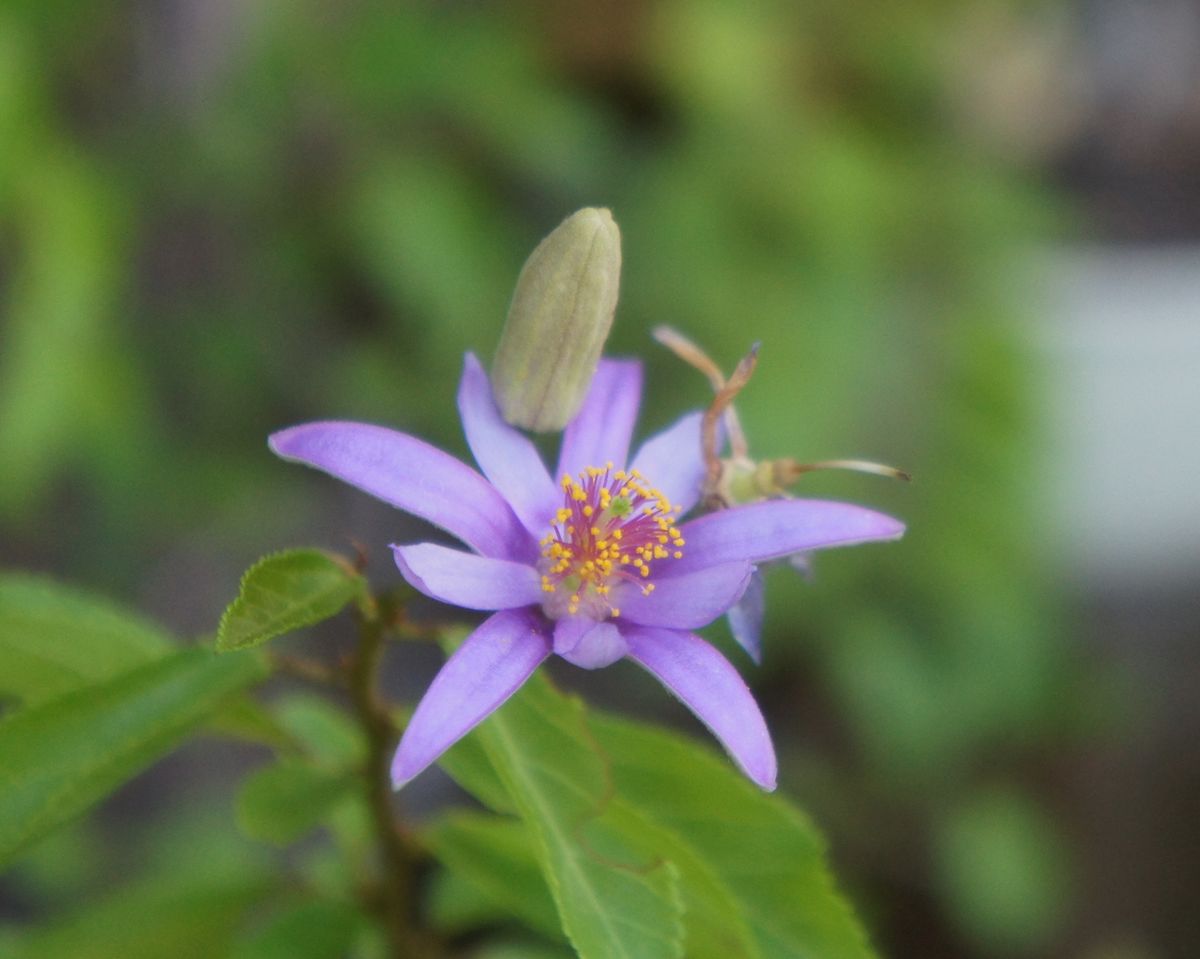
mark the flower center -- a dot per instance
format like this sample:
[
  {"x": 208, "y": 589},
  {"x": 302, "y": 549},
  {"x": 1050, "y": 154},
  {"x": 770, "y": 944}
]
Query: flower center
[{"x": 611, "y": 527}]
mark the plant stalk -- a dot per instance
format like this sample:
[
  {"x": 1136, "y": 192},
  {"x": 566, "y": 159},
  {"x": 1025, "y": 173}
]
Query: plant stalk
[{"x": 399, "y": 858}]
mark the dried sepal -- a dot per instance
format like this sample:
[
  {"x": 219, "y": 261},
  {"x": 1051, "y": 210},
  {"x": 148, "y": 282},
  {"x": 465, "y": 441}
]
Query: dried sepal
[{"x": 738, "y": 478}]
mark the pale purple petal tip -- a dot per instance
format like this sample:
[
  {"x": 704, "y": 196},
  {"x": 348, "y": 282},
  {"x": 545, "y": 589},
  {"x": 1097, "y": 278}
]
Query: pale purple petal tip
[
  {"x": 776, "y": 528},
  {"x": 688, "y": 601},
  {"x": 487, "y": 668},
  {"x": 603, "y": 427},
  {"x": 409, "y": 473},
  {"x": 673, "y": 462},
  {"x": 467, "y": 580},
  {"x": 746, "y": 617},
  {"x": 711, "y": 688},
  {"x": 506, "y": 456}
]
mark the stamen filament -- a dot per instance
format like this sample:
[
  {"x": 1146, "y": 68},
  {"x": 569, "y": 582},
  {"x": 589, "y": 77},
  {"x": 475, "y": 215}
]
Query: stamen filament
[{"x": 611, "y": 527}]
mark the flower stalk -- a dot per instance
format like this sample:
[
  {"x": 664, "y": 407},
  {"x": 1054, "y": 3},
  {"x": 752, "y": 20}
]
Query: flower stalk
[{"x": 399, "y": 857}]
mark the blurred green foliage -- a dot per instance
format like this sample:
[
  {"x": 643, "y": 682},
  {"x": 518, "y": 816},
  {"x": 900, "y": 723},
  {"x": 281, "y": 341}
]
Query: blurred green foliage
[{"x": 217, "y": 219}]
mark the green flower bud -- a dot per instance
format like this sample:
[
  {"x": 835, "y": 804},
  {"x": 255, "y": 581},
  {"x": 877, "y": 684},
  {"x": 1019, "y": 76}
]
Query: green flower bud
[{"x": 558, "y": 320}]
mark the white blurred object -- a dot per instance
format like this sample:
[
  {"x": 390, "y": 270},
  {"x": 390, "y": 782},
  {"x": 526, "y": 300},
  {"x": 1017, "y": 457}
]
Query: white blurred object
[{"x": 1121, "y": 344}]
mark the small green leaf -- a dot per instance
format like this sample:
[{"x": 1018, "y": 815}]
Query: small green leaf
[
  {"x": 495, "y": 856},
  {"x": 312, "y": 929},
  {"x": 282, "y": 802},
  {"x": 61, "y": 756},
  {"x": 285, "y": 592},
  {"x": 327, "y": 733},
  {"x": 614, "y": 900},
  {"x": 54, "y": 639}
]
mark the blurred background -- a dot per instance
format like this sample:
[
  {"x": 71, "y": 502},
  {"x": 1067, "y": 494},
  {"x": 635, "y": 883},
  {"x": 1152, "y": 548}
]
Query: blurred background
[{"x": 967, "y": 235}]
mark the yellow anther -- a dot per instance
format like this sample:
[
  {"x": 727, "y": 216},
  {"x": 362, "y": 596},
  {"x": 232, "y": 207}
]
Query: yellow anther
[{"x": 636, "y": 530}]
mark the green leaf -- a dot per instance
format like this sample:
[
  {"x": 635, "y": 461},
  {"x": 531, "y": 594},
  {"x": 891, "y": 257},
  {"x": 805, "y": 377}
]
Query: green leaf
[
  {"x": 195, "y": 918},
  {"x": 614, "y": 901},
  {"x": 327, "y": 733},
  {"x": 751, "y": 868},
  {"x": 54, "y": 639},
  {"x": 469, "y": 766},
  {"x": 714, "y": 925},
  {"x": 765, "y": 851},
  {"x": 455, "y": 905},
  {"x": 244, "y": 718},
  {"x": 285, "y": 592},
  {"x": 61, "y": 756},
  {"x": 313, "y": 929},
  {"x": 522, "y": 950},
  {"x": 1004, "y": 872},
  {"x": 58, "y": 303},
  {"x": 282, "y": 802},
  {"x": 495, "y": 856}
]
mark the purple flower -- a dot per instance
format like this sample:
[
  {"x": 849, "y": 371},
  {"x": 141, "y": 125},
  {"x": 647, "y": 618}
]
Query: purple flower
[{"x": 593, "y": 568}]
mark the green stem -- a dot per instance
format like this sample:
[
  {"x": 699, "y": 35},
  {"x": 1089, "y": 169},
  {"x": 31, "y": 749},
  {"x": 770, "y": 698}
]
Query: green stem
[{"x": 399, "y": 857}]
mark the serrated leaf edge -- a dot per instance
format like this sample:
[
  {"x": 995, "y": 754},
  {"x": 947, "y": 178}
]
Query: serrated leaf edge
[{"x": 266, "y": 634}]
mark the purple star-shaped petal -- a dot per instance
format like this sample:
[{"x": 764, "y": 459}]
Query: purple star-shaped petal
[{"x": 593, "y": 567}]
